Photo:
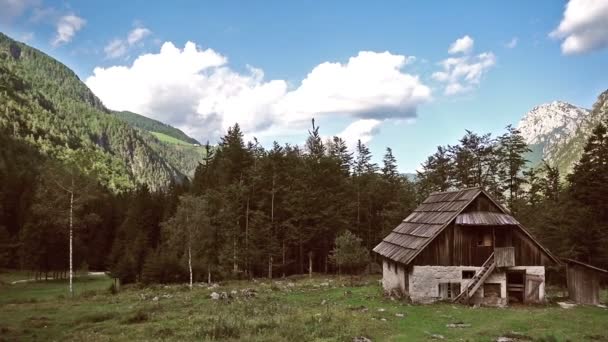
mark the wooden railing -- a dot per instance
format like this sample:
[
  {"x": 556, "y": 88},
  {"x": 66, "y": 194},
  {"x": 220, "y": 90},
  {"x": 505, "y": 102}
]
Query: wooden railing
[{"x": 486, "y": 269}]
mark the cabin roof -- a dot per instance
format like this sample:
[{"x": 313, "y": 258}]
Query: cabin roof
[
  {"x": 424, "y": 223},
  {"x": 579, "y": 263},
  {"x": 431, "y": 217},
  {"x": 485, "y": 218}
]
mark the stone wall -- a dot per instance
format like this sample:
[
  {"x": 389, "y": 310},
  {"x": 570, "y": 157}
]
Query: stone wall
[
  {"x": 424, "y": 283},
  {"x": 394, "y": 277},
  {"x": 538, "y": 271}
]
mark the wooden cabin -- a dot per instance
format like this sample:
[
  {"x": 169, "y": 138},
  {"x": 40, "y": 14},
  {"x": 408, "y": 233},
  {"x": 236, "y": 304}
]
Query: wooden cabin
[
  {"x": 583, "y": 281},
  {"x": 465, "y": 247}
]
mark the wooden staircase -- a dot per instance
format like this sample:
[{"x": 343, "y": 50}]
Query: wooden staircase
[{"x": 487, "y": 268}]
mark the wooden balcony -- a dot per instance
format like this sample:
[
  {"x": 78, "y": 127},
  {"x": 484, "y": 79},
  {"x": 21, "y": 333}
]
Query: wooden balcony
[{"x": 504, "y": 256}]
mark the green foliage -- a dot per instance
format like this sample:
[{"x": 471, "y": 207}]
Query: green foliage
[
  {"x": 45, "y": 104},
  {"x": 348, "y": 252}
]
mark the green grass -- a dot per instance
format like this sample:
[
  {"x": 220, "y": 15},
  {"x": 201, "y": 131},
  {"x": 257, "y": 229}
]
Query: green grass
[
  {"x": 37, "y": 291},
  {"x": 169, "y": 139},
  {"x": 8, "y": 276},
  {"x": 295, "y": 309}
]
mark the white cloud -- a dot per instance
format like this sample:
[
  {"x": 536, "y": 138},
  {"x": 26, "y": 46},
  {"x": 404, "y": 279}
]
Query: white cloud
[
  {"x": 115, "y": 48},
  {"x": 370, "y": 85},
  {"x": 363, "y": 130},
  {"x": 512, "y": 43},
  {"x": 462, "y": 74},
  {"x": 137, "y": 34},
  {"x": 119, "y": 47},
  {"x": 461, "y": 45},
  {"x": 584, "y": 26},
  {"x": 195, "y": 90},
  {"x": 12, "y": 9},
  {"x": 67, "y": 26}
]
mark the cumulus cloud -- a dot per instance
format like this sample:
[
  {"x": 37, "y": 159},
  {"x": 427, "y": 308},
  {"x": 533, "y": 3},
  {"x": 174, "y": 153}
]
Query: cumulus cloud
[
  {"x": 511, "y": 44},
  {"x": 584, "y": 26},
  {"x": 370, "y": 85},
  {"x": 464, "y": 73},
  {"x": 196, "y": 90},
  {"x": 363, "y": 130},
  {"x": 119, "y": 47},
  {"x": 461, "y": 45},
  {"x": 67, "y": 26}
]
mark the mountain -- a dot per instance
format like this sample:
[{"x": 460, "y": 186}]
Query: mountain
[
  {"x": 157, "y": 128},
  {"x": 45, "y": 104},
  {"x": 557, "y": 132}
]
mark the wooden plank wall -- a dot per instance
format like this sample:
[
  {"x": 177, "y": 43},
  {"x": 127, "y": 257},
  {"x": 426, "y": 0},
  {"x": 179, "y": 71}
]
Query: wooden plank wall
[
  {"x": 527, "y": 253},
  {"x": 457, "y": 246},
  {"x": 583, "y": 285}
]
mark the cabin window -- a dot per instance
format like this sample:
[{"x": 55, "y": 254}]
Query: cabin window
[
  {"x": 468, "y": 274},
  {"x": 448, "y": 290},
  {"x": 484, "y": 238}
]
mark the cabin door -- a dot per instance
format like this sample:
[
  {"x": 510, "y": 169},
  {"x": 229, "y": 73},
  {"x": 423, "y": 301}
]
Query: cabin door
[{"x": 532, "y": 289}]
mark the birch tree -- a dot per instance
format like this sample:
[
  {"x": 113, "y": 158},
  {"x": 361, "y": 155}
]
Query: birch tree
[{"x": 184, "y": 232}]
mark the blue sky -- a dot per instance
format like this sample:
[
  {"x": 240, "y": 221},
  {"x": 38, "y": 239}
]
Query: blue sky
[{"x": 382, "y": 73}]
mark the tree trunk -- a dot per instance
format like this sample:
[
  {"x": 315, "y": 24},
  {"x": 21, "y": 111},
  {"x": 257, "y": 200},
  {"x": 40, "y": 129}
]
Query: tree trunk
[
  {"x": 358, "y": 204},
  {"x": 209, "y": 274},
  {"x": 71, "y": 239},
  {"x": 270, "y": 267},
  {"x": 310, "y": 264},
  {"x": 247, "y": 238},
  {"x": 272, "y": 203},
  {"x": 190, "y": 262},
  {"x": 235, "y": 266},
  {"x": 301, "y": 258},
  {"x": 283, "y": 254}
]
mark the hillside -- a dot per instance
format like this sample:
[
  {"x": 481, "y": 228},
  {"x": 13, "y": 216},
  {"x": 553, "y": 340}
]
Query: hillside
[
  {"x": 557, "y": 131},
  {"x": 46, "y": 104},
  {"x": 159, "y": 129}
]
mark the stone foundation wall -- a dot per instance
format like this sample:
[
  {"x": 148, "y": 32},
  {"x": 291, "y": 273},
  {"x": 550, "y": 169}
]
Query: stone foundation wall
[
  {"x": 424, "y": 283},
  {"x": 394, "y": 277},
  {"x": 538, "y": 271}
]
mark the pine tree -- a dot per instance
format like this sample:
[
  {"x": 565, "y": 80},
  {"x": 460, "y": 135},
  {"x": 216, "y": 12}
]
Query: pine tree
[
  {"x": 389, "y": 168},
  {"x": 436, "y": 173},
  {"x": 511, "y": 150}
]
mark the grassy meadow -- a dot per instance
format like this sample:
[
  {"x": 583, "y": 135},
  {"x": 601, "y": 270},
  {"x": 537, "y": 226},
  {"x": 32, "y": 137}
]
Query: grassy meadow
[
  {"x": 293, "y": 309},
  {"x": 169, "y": 139}
]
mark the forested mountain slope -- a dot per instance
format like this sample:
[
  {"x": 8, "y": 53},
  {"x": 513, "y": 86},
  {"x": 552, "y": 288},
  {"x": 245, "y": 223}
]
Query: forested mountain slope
[
  {"x": 557, "y": 131},
  {"x": 44, "y": 103}
]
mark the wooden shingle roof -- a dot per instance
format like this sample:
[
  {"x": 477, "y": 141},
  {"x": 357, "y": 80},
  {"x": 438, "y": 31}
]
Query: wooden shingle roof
[
  {"x": 424, "y": 223},
  {"x": 431, "y": 217},
  {"x": 485, "y": 218}
]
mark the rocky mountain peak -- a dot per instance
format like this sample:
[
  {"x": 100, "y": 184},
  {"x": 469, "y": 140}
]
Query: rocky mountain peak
[{"x": 551, "y": 122}]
